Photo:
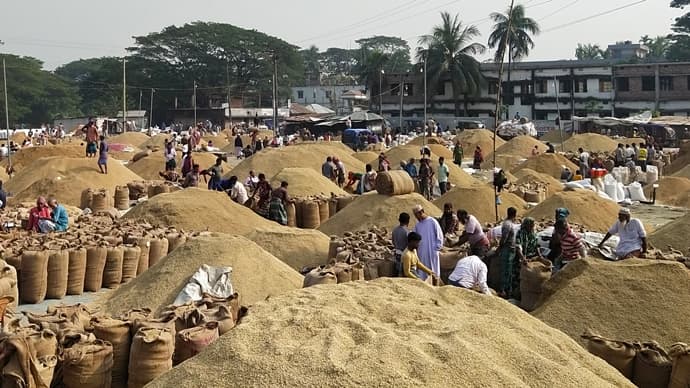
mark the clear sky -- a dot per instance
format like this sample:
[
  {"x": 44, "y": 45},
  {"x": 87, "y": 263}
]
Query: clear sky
[{"x": 58, "y": 32}]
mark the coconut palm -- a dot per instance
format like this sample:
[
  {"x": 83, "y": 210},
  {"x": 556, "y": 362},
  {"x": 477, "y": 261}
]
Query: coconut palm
[
  {"x": 520, "y": 42},
  {"x": 449, "y": 52}
]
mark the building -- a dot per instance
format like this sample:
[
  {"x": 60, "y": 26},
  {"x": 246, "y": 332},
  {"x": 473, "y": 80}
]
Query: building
[
  {"x": 623, "y": 51},
  {"x": 338, "y": 98},
  {"x": 138, "y": 117},
  {"x": 545, "y": 91}
]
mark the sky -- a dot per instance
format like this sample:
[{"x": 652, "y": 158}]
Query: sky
[{"x": 58, "y": 32}]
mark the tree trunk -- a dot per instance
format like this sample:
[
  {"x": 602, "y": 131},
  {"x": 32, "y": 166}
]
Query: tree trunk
[
  {"x": 509, "y": 86},
  {"x": 466, "y": 103}
]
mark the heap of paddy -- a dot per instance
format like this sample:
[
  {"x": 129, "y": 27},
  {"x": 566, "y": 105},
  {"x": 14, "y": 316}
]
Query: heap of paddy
[
  {"x": 479, "y": 201},
  {"x": 586, "y": 208}
]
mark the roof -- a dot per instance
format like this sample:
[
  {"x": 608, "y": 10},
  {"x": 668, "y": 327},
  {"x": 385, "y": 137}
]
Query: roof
[
  {"x": 298, "y": 109},
  {"x": 132, "y": 113},
  {"x": 320, "y": 109}
]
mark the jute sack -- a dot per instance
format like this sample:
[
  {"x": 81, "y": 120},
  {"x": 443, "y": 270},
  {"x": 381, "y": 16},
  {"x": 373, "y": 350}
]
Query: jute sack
[
  {"x": 223, "y": 316},
  {"x": 95, "y": 264},
  {"x": 533, "y": 275},
  {"x": 386, "y": 268},
  {"x": 158, "y": 249},
  {"x": 619, "y": 354},
  {"x": 34, "y": 276},
  {"x": 87, "y": 365},
  {"x": 371, "y": 270},
  {"x": 150, "y": 356},
  {"x": 137, "y": 190},
  {"x": 164, "y": 322},
  {"x": 680, "y": 374},
  {"x": 79, "y": 314},
  {"x": 233, "y": 302},
  {"x": 46, "y": 368},
  {"x": 448, "y": 258},
  {"x": 9, "y": 283},
  {"x": 99, "y": 202},
  {"x": 86, "y": 199},
  {"x": 357, "y": 272},
  {"x": 53, "y": 322},
  {"x": 343, "y": 272},
  {"x": 175, "y": 240},
  {"x": 299, "y": 219},
  {"x": 344, "y": 201},
  {"x": 130, "y": 262},
  {"x": 121, "y": 198},
  {"x": 310, "y": 215},
  {"x": 652, "y": 366},
  {"x": 44, "y": 342},
  {"x": 134, "y": 314},
  {"x": 20, "y": 368},
  {"x": 323, "y": 211},
  {"x": 190, "y": 342},
  {"x": 291, "y": 215},
  {"x": 116, "y": 332},
  {"x": 112, "y": 272},
  {"x": 332, "y": 207},
  {"x": 76, "y": 271},
  {"x": 141, "y": 155},
  {"x": 396, "y": 182},
  {"x": 58, "y": 272},
  {"x": 144, "y": 244},
  {"x": 319, "y": 275}
]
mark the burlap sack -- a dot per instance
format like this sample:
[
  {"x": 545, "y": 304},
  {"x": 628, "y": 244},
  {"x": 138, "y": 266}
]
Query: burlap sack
[
  {"x": 680, "y": 374},
  {"x": 150, "y": 356},
  {"x": 319, "y": 276},
  {"x": 619, "y": 354},
  {"x": 396, "y": 182},
  {"x": 88, "y": 365},
  {"x": 95, "y": 264},
  {"x": 58, "y": 273},
  {"x": 533, "y": 275},
  {"x": 33, "y": 284},
  {"x": 116, "y": 332},
  {"x": 112, "y": 272},
  {"x": 652, "y": 366},
  {"x": 192, "y": 341},
  {"x": 130, "y": 262},
  {"x": 76, "y": 271}
]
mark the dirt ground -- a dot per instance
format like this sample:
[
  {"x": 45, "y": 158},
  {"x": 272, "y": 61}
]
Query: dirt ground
[{"x": 656, "y": 216}]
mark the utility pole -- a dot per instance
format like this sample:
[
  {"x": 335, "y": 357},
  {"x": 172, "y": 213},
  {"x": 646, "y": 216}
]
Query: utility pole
[
  {"x": 275, "y": 95},
  {"x": 124, "y": 94},
  {"x": 7, "y": 112},
  {"x": 425, "y": 93},
  {"x": 227, "y": 75},
  {"x": 151, "y": 110},
  {"x": 498, "y": 95},
  {"x": 400, "y": 90},
  {"x": 194, "y": 99},
  {"x": 558, "y": 110},
  {"x": 381, "y": 92},
  {"x": 141, "y": 94}
]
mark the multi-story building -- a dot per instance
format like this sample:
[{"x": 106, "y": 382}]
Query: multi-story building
[
  {"x": 547, "y": 90},
  {"x": 338, "y": 98}
]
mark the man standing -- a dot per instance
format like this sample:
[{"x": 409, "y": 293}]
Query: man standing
[
  {"x": 216, "y": 173},
  {"x": 399, "y": 238},
  {"x": 642, "y": 157},
  {"x": 425, "y": 175},
  {"x": 91, "y": 139},
  {"x": 103, "y": 156},
  {"x": 3, "y": 197},
  {"x": 328, "y": 169},
  {"x": 633, "y": 238},
  {"x": 470, "y": 272},
  {"x": 449, "y": 221},
  {"x": 506, "y": 251},
  {"x": 458, "y": 153},
  {"x": 443, "y": 174},
  {"x": 432, "y": 240},
  {"x": 619, "y": 156},
  {"x": 412, "y": 266},
  {"x": 238, "y": 146},
  {"x": 473, "y": 234},
  {"x": 583, "y": 158},
  {"x": 238, "y": 192},
  {"x": 279, "y": 198}
]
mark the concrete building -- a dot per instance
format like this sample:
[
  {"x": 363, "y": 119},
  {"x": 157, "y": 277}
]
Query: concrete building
[
  {"x": 622, "y": 51},
  {"x": 338, "y": 98}
]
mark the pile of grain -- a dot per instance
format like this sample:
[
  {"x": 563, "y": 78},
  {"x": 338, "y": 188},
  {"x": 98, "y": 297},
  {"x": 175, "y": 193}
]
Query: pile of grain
[
  {"x": 420, "y": 140},
  {"x": 219, "y": 141},
  {"x": 471, "y": 138},
  {"x": 150, "y": 166},
  {"x": 441, "y": 151},
  {"x": 479, "y": 201},
  {"x": 674, "y": 191},
  {"x": 674, "y": 234},
  {"x": 246, "y": 140},
  {"x": 270, "y": 161},
  {"x": 389, "y": 332},
  {"x": 683, "y": 172},
  {"x": 135, "y": 139},
  {"x": 376, "y": 210},
  {"x": 25, "y": 156},
  {"x": 586, "y": 208},
  {"x": 404, "y": 153},
  {"x": 256, "y": 274},
  {"x": 520, "y": 146},
  {"x": 681, "y": 161},
  {"x": 66, "y": 178},
  {"x": 631, "y": 140},
  {"x": 297, "y": 248},
  {"x": 549, "y": 164},
  {"x": 527, "y": 175},
  {"x": 157, "y": 141},
  {"x": 305, "y": 182},
  {"x": 554, "y": 136},
  {"x": 634, "y": 300},
  {"x": 590, "y": 142},
  {"x": 366, "y": 157},
  {"x": 505, "y": 162},
  {"x": 199, "y": 209}
]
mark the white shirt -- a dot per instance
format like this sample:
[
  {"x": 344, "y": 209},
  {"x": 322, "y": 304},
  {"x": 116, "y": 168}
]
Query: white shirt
[
  {"x": 169, "y": 154},
  {"x": 584, "y": 157},
  {"x": 630, "y": 236},
  {"x": 474, "y": 230},
  {"x": 4, "y": 151},
  {"x": 251, "y": 181},
  {"x": 239, "y": 193},
  {"x": 471, "y": 272}
]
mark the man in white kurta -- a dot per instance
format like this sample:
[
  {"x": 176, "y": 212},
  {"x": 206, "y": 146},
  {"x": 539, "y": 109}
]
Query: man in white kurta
[{"x": 432, "y": 241}]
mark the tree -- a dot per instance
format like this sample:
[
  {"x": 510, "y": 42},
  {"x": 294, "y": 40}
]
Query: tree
[
  {"x": 679, "y": 50},
  {"x": 449, "y": 51},
  {"x": 590, "y": 51},
  {"x": 99, "y": 84},
  {"x": 312, "y": 68},
  {"x": 519, "y": 37},
  {"x": 36, "y": 96},
  {"x": 396, "y": 49},
  {"x": 337, "y": 66},
  {"x": 369, "y": 71},
  {"x": 658, "y": 47}
]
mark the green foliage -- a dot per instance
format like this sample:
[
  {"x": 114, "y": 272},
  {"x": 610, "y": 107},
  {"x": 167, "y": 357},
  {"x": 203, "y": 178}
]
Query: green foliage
[
  {"x": 679, "y": 49},
  {"x": 449, "y": 51},
  {"x": 35, "y": 96},
  {"x": 397, "y": 51},
  {"x": 99, "y": 81},
  {"x": 590, "y": 51},
  {"x": 592, "y": 105},
  {"x": 658, "y": 46},
  {"x": 520, "y": 42}
]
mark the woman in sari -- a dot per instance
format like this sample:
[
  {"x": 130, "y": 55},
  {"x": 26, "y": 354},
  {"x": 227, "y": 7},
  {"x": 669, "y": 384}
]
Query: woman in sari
[
  {"x": 262, "y": 196},
  {"x": 527, "y": 249}
]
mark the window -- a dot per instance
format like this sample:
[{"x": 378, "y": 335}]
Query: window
[
  {"x": 526, "y": 88},
  {"x": 328, "y": 94},
  {"x": 564, "y": 86},
  {"x": 605, "y": 86},
  {"x": 300, "y": 94},
  {"x": 314, "y": 93},
  {"x": 441, "y": 89},
  {"x": 395, "y": 89},
  {"x": 409, "y": 89},
  {"x": 493, "y": 87},
  {"x": 581, "y": 86},
  {"x": 648, "y": 84},
  {"x": 623, "y": 84},
  {"x": 666, "y": 83},
  {"x": 541, "y": 86}
]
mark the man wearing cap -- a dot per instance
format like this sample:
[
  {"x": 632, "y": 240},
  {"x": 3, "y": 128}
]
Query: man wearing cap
[
  {"x": 432, "y": 241},
  {"x": 633, "y": 238}
]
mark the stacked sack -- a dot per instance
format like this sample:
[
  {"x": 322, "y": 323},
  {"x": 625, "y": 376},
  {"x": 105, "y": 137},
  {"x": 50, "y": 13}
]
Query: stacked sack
[
  {"x": 311, "y": 212},
  {"x": 531, "y": 192},
  {"x": 646, "y": 364},
  {"x": 74, "y": 347}
]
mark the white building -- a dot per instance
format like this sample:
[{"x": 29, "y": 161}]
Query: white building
[{"x": 328, "y": 96}]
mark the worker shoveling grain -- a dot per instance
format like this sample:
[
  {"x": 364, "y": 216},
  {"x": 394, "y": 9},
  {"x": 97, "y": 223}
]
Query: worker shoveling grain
[
  {"x": 200, "y": 210},
  {"x": 375, "y": 210},
  {"x": 633, "y": 300},
  {"x": 399, "y": 333},
  {"x": 256, "y": 274}
]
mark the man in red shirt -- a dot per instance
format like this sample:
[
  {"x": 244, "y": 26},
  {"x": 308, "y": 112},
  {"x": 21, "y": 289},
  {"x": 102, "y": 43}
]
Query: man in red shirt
[{"x": 572, "y": 246}]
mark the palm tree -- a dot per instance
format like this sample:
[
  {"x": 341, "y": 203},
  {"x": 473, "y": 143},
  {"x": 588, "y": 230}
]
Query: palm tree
[
  {"x": 369, "y": 71},
  {"x": 658, "y": 47},
  {"x": 449, "y": 51},
  {"x": 590, "y": 51},
  {"x": 520, "y": 42}
]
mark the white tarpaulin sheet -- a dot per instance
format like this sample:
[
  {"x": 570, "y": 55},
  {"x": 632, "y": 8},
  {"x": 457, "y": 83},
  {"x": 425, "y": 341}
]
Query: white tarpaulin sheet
[
  {"x": 207, "y": 280},
  {"x": 516, "y": 128}
]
